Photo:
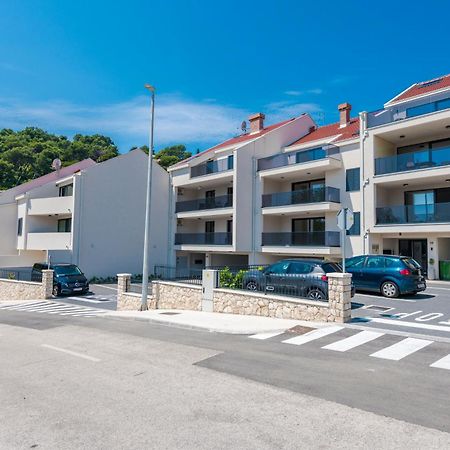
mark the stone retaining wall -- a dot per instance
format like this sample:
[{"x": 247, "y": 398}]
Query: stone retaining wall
[
  {"x": 170, "y": 295},
  {"x": 12, "y": 290}
]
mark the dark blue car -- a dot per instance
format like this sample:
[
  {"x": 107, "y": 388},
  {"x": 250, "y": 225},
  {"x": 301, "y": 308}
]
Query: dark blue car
[{"x": 390, "y": 275}]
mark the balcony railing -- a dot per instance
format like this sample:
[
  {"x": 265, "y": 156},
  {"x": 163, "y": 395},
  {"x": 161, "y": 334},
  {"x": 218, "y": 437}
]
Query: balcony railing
[
  {"x": 223, "y": 201},
  {"x": 403, "y": 214},
  {"x": 313, "y": 195},
  {"x": 286, "y": 159},
  {"x": 300, "y": 239},
  {"x": 412, "y": 161},
  {"x": 203, "y": 238},
  {"x": 210, "y": 167},
  {"x": 384, "y": 116}
]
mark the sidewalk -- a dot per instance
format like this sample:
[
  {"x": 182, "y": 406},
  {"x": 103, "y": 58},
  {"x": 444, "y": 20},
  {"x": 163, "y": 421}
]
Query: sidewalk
[{"x": 214, "y": 322}]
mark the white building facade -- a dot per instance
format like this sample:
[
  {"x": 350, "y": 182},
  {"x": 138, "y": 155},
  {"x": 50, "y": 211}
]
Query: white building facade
[
  {"x": 274, "y": 192},
  {"x": 87, "y": 214}
]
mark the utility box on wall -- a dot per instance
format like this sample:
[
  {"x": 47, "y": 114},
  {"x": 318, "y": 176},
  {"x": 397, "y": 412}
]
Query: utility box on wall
[{"x": 209, "y": 283}]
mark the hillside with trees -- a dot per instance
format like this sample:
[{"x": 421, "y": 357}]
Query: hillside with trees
[{"x": 29, "y": 153}]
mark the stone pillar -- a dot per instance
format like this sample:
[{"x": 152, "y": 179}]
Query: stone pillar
[
  {"x": 47, "y": 284},
  {"x": 340, "y": 296},
  {"x": 123, "y": 282}
]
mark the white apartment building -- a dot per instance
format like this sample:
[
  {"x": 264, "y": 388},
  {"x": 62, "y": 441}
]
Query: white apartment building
[
  {"x": 406, "y": 175},
  {"x": 274, "y": 192},
  {"x": 90, "y": 214},
  {"x": 267, "y": 194}
]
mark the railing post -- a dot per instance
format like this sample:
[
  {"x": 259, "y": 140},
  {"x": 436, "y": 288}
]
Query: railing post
[
  {"x": 340, "y": 296},
  {"x": 47, "y": 284}
]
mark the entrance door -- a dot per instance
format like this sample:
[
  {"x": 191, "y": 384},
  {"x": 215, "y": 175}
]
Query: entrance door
[
  {"x": 308, "y": 231},
  {"x": 417, "y": 249}
]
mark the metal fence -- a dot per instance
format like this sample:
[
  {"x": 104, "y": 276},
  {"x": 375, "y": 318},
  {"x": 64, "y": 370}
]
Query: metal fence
[
  {"x": 20, "y": 274},
  {"x": 182, "y": 275},
  {"x": 259, "y": 279}
]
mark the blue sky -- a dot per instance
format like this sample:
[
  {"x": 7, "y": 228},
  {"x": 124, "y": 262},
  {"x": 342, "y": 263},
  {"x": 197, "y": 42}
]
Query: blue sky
[{"x": 80, "y": 66}]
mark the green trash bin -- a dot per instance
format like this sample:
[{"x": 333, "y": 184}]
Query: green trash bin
[{"x": 444, "y": 270}]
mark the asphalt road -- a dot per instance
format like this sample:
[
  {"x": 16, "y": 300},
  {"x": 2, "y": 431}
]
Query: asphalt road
[
  {"x": 77, "y": 382},
  {"x": 427, "y": 313}
]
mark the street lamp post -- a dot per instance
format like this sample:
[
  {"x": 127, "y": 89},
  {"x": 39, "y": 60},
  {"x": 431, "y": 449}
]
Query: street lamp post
[{"x": 144, "y": 305}]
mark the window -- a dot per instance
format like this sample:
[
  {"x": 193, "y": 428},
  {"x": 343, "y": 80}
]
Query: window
[
  {"x": 64, "y": 225},
  {"x": 375, "y": 262},
  {"x": 299, "y": 268},
  {"x": 230, "y": 162},
  {"x": 355, "y": 263},
  {"x": 19, "y": 227},
  {"x": 230, "y": 226},
  {"x": 209, "y": 226},
  {"x": 66, "y": 191},
  {"x": 352, "y": 179},
  {"x": 355, "y": 229},
  {"x": 280, "y": 267},
  {"x": 391, "y": 262}
]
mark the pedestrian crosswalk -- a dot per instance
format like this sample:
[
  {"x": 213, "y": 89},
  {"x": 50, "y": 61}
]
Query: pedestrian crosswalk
[
  {"x": 50, "y": 307},
  {"x": 406, "y": 346}
]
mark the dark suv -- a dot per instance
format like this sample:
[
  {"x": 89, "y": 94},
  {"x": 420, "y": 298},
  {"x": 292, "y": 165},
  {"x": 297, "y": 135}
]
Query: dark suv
[
  {"x": 390, "y": 275},
  {"x": 302, "y": 277},
  {"x": 67, "y": 278}
]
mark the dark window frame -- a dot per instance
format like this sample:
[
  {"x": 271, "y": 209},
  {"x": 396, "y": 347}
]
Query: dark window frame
[
  {"x": 355, "y": 229},
  {"x": 20, "y": 226},
  {"x": 353, "y": 182}
]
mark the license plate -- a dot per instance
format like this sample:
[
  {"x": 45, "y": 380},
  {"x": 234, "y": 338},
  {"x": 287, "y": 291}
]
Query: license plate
[
  {"x": 421, "y": 286},
  {"x": 77, "y": 289}
]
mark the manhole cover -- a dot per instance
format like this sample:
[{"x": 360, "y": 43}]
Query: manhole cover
[
  {"x": 378, "y": 308},
  {"x": 299, "y": 330},
  {"x": 168, "y": 313}
]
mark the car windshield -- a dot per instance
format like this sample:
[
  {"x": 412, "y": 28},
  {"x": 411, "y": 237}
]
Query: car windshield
[{"x": 70, "y": 269}]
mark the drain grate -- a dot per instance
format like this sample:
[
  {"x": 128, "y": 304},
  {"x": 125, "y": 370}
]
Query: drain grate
[
  {"x": 378, "y": 308},
  {"x": 168, "y": 313},
  {"x": 299, "y": 330}
]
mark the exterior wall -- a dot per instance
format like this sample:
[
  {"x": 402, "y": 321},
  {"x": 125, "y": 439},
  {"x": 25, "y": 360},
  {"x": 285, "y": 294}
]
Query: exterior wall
[
  {"x": 110, "y": 216},
  {"x": 168, "y": 295},
  {"x": 11, "y": 290}
]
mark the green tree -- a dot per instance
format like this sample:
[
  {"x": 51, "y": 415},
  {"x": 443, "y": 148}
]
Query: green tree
[
  {"x": 28, "y": 153},
  {"x": 169, "y": 156}
]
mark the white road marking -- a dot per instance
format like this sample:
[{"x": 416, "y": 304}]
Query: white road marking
[
  {"x": 379, "y": 297},
  {"x": 25, "y": 306},
  {"x": 445, "y": 323},
  {"x": 265, "y": 335},
  {"x": 399, "y": 323},
  {"x": 70, "y": 352},
  {"x": 353, "y": 341},
  {"x": 443, "y": 363},
  {"x": 89, "y": 300},
  {"x": 312, "y": 335},
  {"x": 401, "y": 349},
  {"x": 106, "y": 287}
]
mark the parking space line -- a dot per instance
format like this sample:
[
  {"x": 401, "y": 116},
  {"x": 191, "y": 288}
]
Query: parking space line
[
  {"x": 402, "y": 349},
  {"x": 70, "y": 352},
  {"x": 353, "y": 341},
  {"x": 401, "y": 323},
  {"x": 443, "y": 363},
  {"x": 312, "y": 335}
]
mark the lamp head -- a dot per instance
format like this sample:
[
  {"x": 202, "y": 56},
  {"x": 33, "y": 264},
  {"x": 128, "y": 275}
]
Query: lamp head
[{"x": 149, "y": 87}]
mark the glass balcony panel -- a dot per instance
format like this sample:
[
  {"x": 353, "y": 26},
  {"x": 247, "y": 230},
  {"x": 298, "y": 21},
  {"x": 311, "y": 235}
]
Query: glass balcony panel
[
  {"x": 299, "y": 239},
  {"x": 203, "y": 238},
  {"x": 211, "y": 167},
  {"x": 222, "y": 201},
  {"x": 403, "y": 214},
  {"x": 313, "y": 195},
  {"x": 412, "y": 161}
]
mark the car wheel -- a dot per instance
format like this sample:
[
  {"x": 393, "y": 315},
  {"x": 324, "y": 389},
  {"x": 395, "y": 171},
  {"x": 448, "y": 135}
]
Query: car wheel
[
  {"x": 390, "y": 289},
  {"x": 251, "y": 285},
  {"x": 56, "y": 291},
  {"x": 316, "y": 294}
]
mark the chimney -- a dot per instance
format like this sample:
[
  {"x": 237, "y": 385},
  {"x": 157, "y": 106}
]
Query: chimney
[
  {"x": 256, "y": 122},
  {"x": 344, "y": 114}
]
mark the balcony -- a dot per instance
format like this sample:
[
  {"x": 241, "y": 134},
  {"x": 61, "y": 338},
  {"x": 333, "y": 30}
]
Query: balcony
[
  {"x": 223, "y": 201},
  {"x": 305, "y": 196},
  {"x": 50, "y": 206},
  {"x": 302, "y": 239},
  {"x": 413, "y": 214},
  {"x": 412, "y": 161},
  {"x": 212, "y": 167},
  {"x": 385, "y": 116},
  {"x": 203, "y": 239},
  {"x": 49, "y": 241}
]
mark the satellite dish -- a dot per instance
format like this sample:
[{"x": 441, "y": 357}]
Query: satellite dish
[
  {"x": 244, "y": 126},
  {"x": 56, "y": 164}
]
